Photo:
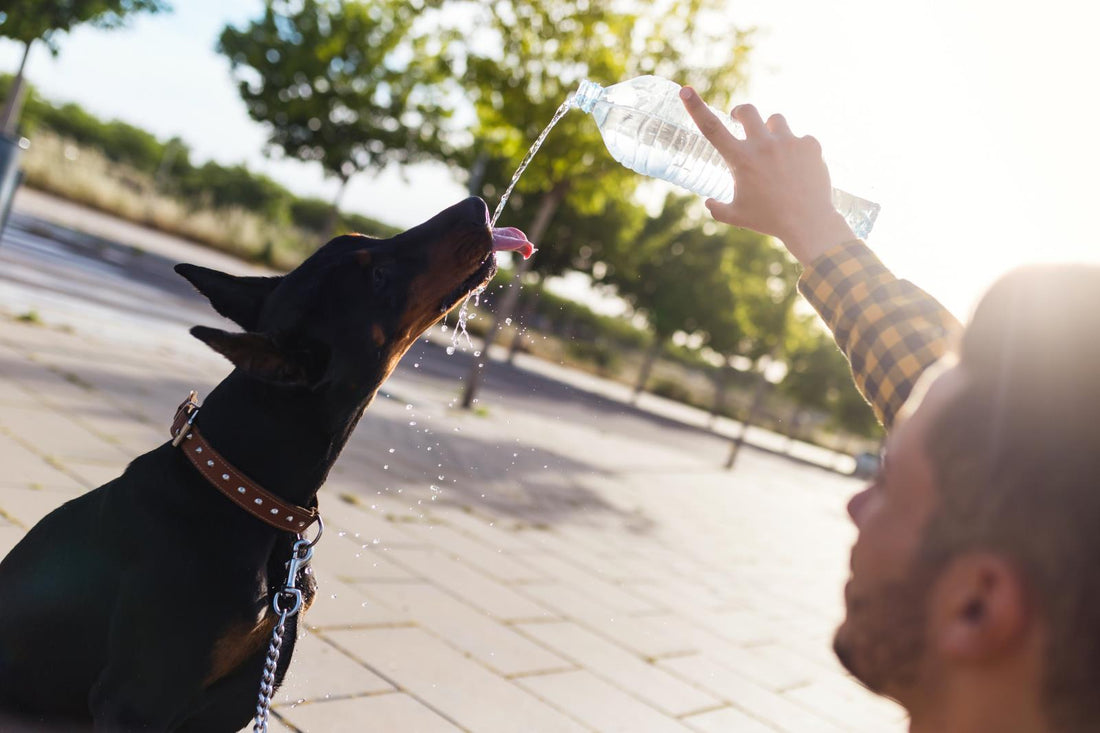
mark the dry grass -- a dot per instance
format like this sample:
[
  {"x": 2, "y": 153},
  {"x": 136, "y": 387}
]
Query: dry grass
[{"x": 87, "y": 176}]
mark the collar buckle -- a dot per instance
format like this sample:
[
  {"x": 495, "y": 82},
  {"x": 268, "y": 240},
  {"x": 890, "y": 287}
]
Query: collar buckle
[{"x": 185, "y": 416}]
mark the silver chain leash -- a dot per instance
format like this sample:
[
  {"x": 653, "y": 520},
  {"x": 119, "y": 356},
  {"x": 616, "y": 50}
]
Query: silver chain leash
[{"x": 288, "y": 594}]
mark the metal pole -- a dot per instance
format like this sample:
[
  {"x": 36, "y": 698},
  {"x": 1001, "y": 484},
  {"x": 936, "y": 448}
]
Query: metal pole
[{"x": 13, "y": 105}]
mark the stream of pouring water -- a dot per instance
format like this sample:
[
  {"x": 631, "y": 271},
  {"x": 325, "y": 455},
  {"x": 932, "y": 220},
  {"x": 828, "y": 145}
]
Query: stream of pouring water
[
  {"x": 565, "y": 107},
  {"x": 463, "y": 313}
]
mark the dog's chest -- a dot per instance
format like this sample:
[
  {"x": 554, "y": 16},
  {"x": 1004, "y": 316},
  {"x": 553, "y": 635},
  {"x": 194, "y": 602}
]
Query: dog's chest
[{"x": 239, "y": 643}]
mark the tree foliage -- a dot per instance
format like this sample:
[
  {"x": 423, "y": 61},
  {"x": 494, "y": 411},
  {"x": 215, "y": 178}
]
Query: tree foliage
[
  {"x": 732, "y": 287},
  {"x": 346, "y": 84},
  {"x": 520, "y": 59},
  {"x": 819, "y": 377},
  {"x": 32, "y": 20}
]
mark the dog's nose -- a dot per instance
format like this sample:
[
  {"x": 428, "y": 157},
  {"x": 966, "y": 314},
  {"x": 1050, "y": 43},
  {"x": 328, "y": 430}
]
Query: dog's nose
[{"x": 476, "y": 209}]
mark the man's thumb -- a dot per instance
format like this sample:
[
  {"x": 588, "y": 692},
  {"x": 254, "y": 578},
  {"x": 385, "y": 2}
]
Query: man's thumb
[{"x": 725, "y": 213}]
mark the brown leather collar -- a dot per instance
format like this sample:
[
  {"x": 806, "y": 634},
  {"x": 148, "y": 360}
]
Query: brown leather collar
[{"x": 237, "y": 487}]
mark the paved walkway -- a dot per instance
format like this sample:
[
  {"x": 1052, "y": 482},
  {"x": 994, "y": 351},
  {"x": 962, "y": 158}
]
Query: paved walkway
[{"x": 514, "y": 571}]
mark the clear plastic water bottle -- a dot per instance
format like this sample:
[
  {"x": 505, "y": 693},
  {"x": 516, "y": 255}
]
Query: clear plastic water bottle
[{"x": 646, "y": 128}]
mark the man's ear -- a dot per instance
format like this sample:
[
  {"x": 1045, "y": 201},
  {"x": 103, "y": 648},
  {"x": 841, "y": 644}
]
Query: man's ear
[
  {"x": 240, "y": 299},
  {"x": 261, "y": 357},
  {"x": 980, "y": 609}
]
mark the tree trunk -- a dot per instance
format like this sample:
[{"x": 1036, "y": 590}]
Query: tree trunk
[
  {"x": 334, "y": 212},
  {"x": 13, "y": 105},
  {"x": 647, "y": 367},
  {"x": 792, "y": 428},
  {"x": 526, "y": 314},
  {"x": 754, "y": 408},
  {"x": 550, "y": 202},
  {"x": 719, "y": 394}
]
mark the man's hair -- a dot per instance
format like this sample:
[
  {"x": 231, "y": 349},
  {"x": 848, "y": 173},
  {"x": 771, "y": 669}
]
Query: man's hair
[{"x": 1017, "y": 462}]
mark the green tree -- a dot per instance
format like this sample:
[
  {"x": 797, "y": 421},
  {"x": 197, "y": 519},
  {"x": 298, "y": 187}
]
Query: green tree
[
  {"x": 818, "y": 377},
  {"x": 524, "y": 57},
  {"x": 732, "y": 287},
  {"x": 27, "y": 21},
  {"x": 350, "y": 85}
]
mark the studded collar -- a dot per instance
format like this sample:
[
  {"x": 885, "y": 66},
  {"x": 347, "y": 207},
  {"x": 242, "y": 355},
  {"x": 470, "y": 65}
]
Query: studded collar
[{"x": 237, "y": 487}]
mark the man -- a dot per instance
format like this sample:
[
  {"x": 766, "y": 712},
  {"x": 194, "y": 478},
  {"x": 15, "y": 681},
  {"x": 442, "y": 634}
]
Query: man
[{"x": 974, "y": 597}]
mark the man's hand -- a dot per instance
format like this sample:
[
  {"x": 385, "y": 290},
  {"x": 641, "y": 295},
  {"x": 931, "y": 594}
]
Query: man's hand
[{"x": 781, "y": 184}]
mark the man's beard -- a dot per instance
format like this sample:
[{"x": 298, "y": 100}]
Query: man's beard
[{"x": 882, "y": 640}]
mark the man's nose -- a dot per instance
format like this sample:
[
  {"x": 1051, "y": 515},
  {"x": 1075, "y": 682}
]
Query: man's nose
[{"x": 856, "y": 504}]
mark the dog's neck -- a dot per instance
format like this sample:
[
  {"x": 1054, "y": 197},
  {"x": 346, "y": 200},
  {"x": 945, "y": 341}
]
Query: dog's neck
[{"x": 284, "y": 440}]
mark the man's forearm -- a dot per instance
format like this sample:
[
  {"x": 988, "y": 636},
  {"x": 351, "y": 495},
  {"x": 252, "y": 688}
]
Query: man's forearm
[{"x": 890, "y": 330}]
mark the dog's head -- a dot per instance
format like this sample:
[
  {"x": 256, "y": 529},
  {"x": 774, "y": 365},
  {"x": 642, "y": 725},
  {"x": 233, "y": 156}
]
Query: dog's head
[{"x": 346, "y": 315}]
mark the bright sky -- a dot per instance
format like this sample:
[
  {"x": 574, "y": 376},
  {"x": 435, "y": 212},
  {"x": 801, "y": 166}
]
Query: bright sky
[{"x": 973, "y": 122}]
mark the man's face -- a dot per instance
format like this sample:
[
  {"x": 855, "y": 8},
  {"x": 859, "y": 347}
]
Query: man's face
[{"x": 881, "y": 641}]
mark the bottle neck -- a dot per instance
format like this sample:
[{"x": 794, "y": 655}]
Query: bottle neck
[{"x": 587, "y": 94}]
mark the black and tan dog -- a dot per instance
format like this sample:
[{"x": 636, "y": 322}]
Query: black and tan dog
[{"x": 146, "y": 603}]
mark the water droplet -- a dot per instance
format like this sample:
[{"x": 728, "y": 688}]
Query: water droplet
[
  {"x": 416, "y": 365},
  {"x": 392, "y": 450},
  {"x": 412, "y": 423},
  {"x": 408, "y": 407},
  {"x": 450, "y": 351},
  {"x": 386, "y": 467},
  {"x": 477, "y": 354},
  {"x": 508, "y": 321}
]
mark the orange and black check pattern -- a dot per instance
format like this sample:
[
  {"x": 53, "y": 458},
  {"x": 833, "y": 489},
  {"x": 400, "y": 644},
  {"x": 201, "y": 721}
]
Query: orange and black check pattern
[{"x": 890, "y": 330}]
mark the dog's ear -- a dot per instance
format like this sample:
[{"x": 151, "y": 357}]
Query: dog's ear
[
  {"x": 260, "y": 356},
  {"x": 240, "y": 299}
]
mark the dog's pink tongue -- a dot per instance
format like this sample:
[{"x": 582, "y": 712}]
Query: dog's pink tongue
[{"x": 510, "y": 239}]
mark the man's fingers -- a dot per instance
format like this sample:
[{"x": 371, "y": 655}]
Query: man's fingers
[
  {"x": 709, "y": 124},
  {"x": 778, "y": 125},
  {"x": 749, "y": 118}
]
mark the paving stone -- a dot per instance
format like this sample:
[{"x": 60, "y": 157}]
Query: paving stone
[
  {"x": 479, "y": 590},
  {"x": 490, "y": 642},
  {"x": 598, "y": 704},
  {"x": 274, "y": 725},
  {"x": 11, "y": 393},
  {"x": 727, "y": 720},
  {"x": 494, "y": 531},
  {"x": 494, "y": 562},
  {"x": 320, "y": 671},
  {"x": 9, "y": 536},
  {"x": 133, "y": 436},
  {"x": 53, "y": 434},
  {"x": 392, "y": 713},
  {"x": 342, "y": 605},
  {"x": 626, "y": 671},
  {"x": 349, "y": 559},
  {"x": 26, "y": 507},
  {"x": 456, "y": 686},
  {"x": 849, "y": 706},
  {"x": 93, "y": 474},
  {"x": 646, "y": 636},
  {"x": 361, "y": 523},
  {"x": 741, "y": 692},
  {"x": 27, "y": 469},
  {"x": 587, "y": 581}
]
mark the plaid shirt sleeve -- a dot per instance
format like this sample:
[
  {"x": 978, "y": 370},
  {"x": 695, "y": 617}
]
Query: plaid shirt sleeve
[{"x": 890, "y": 330}]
